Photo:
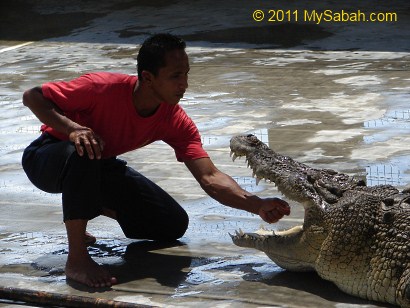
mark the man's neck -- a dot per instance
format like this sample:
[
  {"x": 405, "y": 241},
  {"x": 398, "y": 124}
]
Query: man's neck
[{"x": 144, "y": 102}]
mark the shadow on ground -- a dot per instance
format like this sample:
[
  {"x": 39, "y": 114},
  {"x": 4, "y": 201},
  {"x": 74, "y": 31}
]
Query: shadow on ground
[{"x": 141, "y": 261}]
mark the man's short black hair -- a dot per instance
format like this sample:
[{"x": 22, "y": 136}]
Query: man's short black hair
[{"x": 151, "y": 56}]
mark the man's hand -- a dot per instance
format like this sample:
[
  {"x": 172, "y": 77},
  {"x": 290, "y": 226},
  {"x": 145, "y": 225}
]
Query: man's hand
[
  {"x": 86, "y": 138},
  {"x": 273, "y": 209}
]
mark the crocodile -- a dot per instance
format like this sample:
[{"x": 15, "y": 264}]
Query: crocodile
[{"x": 354, "y": 235}]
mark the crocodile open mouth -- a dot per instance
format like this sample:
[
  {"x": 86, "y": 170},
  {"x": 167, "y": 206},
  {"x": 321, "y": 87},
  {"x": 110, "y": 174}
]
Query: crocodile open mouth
[
  {"x": 261, "y": 234},
  {"x": 277, "y": 169}
]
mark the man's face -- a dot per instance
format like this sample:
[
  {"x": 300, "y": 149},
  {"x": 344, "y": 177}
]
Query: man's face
[{"x": 172, "y": 80}]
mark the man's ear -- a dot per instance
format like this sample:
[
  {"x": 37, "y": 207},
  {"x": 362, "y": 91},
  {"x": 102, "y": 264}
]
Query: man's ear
[{"x": 147, "y": 76}]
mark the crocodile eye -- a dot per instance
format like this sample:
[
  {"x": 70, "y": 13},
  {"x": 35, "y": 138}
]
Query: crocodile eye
[{"x": 252, "y": 139}]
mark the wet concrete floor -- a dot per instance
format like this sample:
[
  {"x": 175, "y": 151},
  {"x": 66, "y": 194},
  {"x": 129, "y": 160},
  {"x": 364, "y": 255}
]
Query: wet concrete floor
[{"x": 332, "y": 95}]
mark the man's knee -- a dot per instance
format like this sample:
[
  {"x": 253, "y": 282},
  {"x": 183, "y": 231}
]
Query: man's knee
[
  {"x": 179, "y": 229},
  {"x": 174, "y": 227}
]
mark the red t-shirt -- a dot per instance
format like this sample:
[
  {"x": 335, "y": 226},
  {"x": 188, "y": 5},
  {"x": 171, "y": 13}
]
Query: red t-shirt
[{"x": 103, "y": 102}]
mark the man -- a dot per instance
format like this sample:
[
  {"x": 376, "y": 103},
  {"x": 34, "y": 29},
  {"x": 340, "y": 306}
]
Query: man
[{"x": 90, "y": 120}]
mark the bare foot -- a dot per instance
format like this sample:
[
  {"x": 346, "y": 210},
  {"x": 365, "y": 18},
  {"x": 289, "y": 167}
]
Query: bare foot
[
  {"x": 88, "y": 272},
  {"x": 80, "y": 266}
]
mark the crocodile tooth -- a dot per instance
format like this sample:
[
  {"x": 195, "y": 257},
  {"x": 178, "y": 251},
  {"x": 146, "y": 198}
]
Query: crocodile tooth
[
  {"x": 258, "y": 180},
  {"x": 239, "y": 233},
  {"x": 234, "y": 156},
  {"x": 230, "y": 154}
]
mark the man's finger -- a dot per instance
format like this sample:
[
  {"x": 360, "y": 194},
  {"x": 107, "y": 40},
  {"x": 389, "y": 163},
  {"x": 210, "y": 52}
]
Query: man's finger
[
  {"x": 88, "y": 148},
  {"x": 270, "y": 217},
  {"x": 284, "y": 210},
  {"x": 96, "y": 148},
  {"x": 79, "y": 147},
  {"x": 273, "y": 217},
  {"x": 283, "y": 207},
  {"x": 101, "y": 142}
]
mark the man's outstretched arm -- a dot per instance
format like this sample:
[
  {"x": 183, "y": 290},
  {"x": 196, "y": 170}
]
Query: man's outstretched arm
[{"x": 225, "y": 190}]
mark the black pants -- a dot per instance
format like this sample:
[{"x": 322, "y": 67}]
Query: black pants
[{"x": 144, "y": 210}]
